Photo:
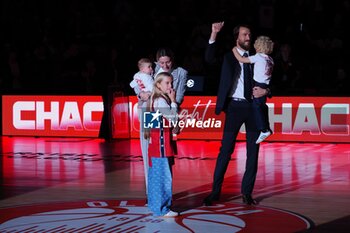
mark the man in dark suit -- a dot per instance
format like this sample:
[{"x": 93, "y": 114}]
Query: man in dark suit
[{"x": 234, "y": 98}]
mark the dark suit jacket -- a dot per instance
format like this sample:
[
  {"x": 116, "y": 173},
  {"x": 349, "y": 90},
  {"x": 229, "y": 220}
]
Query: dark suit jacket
[{"x": 230, "y": 72}]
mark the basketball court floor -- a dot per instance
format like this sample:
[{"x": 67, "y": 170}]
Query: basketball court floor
[{"x": 90, "y": 185}]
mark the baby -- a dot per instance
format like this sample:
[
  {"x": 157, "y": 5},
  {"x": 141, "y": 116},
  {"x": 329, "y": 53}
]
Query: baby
[{"x": 143, "y": 78}]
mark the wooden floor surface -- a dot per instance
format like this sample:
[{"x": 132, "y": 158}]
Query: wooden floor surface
[{"x": 310, "y": 179}]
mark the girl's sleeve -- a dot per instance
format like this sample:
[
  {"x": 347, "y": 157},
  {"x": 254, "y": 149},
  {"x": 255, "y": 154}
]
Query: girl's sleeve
[{"x": 169, "y": 112}]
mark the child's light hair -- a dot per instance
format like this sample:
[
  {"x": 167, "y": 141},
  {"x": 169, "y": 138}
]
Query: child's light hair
[
  {"x": 263, "y": 44},
  {"x": 157, "y": 93},
  {"x": 142, "y": 62}
]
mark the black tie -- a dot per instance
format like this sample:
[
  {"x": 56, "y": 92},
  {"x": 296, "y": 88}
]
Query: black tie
[{"x": 247, "y": 80}]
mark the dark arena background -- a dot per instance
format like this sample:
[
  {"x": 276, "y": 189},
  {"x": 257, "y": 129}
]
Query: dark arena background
[{"x": 70, "y": 152}]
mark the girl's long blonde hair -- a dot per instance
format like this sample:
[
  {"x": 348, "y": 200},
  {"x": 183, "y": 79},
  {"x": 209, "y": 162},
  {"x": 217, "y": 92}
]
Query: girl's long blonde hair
[{"x": 157, "y": 93}]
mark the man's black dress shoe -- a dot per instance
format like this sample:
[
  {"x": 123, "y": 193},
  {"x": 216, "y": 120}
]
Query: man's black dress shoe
[
  {"x": 248, "y": 199},
  {"x": 208, "y": 201}
]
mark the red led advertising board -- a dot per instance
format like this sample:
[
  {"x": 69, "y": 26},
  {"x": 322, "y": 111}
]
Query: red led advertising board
[
  {"x": 66, "y": 116},
  {"x": 300, "y": 119}
]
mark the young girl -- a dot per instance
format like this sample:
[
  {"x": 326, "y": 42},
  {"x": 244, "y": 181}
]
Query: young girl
[{"x": 163, "y": 101}]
